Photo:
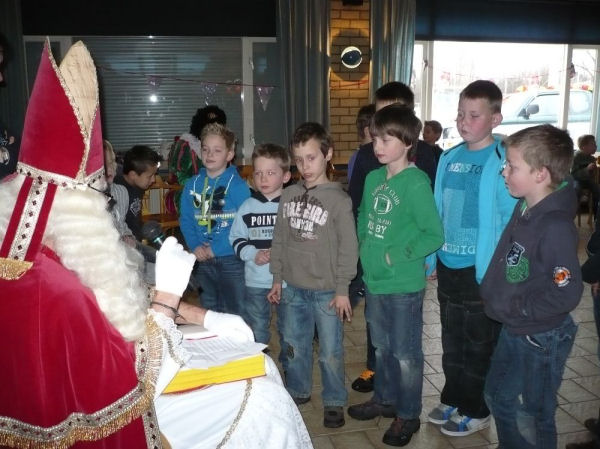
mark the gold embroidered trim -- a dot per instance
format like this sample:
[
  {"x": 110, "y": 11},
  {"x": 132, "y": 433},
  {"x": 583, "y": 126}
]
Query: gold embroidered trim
[
  {"x": 60, "y": 180},
  {"x": 85, "y": 133},
  {"x": 148, "y": 362},
  {"x": 11, "y": 269},
  {"x": 28, "y": 220},
  {"x": 92, "y": 427},
  {"x": 239, "y": 415}
]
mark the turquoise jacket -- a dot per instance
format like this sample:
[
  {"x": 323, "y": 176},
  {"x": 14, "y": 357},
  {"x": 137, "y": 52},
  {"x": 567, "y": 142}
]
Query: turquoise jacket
[{"x": 495, "y": 205}]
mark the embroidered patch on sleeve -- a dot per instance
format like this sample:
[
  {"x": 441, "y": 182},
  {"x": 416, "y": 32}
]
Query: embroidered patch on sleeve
[{"x": 562, "y": 276}]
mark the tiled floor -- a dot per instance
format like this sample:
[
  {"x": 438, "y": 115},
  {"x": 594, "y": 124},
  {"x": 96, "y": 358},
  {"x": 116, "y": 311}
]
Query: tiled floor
[{"x": 579, "y": 394}]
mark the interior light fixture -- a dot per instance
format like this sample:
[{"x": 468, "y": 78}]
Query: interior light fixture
[{"x": 351, "y": 57}]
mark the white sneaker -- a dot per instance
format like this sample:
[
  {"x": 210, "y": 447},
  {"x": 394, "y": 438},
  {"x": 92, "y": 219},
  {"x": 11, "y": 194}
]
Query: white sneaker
[
  {"x": 459, "y": 425},
  {"x": 441, "y": 414}
]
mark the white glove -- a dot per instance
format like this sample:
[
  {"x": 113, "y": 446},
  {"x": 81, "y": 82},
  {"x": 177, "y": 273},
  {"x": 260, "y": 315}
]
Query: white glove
[
  {"x": 227, "y": 325},
  {"x": 173, "y": 267}
]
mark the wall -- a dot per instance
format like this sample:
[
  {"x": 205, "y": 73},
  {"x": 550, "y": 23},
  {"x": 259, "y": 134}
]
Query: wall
[
  {"x": 172, "y": 18},
  {"x": 349, "y": 88}
]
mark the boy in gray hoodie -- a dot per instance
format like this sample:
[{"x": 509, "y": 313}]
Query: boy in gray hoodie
[
  {"x": 315, "y": 251},
  {"x": 532, "y": 283}
]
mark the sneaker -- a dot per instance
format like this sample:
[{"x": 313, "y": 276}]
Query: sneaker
[
  {"x": 370, "y": 410},
  {"x": 300, "y": 401},
  {"x": 459, "y": 425},
  {"x": 333, "y": 417},
  {"x": 441, "y": 414},
  {"x": 401, "y": 431},
  {"x": 364, "y": 382}
]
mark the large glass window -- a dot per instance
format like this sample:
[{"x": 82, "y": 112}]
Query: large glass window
[
  {"x": 582, "y": 80},
  {"x": 530, "y": 76}
]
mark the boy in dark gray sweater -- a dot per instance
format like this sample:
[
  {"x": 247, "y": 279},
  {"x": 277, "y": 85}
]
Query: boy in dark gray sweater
[{"x": 532, "y": 283}]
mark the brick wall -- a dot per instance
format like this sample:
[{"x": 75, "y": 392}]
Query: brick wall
[{"x": 349, "y": 88}]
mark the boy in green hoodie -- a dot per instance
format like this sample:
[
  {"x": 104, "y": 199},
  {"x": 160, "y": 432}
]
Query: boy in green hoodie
[{"x": 398, "y": 225}]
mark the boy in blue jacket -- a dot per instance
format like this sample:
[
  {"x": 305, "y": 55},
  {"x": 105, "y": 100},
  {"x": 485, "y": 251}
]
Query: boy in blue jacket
[
  {"x": 252, "y": 233},
  {"x": 474, "y": 206},
  {"x": 531, "y": 285},
  {"x": 209, "y": 203}
]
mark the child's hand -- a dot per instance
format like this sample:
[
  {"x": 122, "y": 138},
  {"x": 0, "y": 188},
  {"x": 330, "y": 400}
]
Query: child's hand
[
  {"x": 274, "y": 296},
  {"x": 262, "y": 257},
  {"x": 208, "y": 250},
  {"x": 595, "y": 288},
  {"x": 342, "y": 307},
  {"x": 203, "y": 252},
  {"x": 432, "y": 276}
]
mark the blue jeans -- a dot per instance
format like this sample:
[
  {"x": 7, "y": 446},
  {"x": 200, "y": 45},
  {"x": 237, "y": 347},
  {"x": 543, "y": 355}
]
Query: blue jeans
[
  {"x": 258, "y": 313},
  {"x": 396, "y": 323},
  {"x": 468, "y": 340},
  {"x": 521, "y": 386},
  {"x": 221, "y": 281},
  {"x": 302, "y": 310}
]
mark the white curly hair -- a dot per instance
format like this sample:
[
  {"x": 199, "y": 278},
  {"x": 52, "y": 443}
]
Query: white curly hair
[{"x": 81, "y": 232}]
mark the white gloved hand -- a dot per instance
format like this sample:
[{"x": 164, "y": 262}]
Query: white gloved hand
[
  {"x": 173, "y": 267},
  {"x": 227, "y": 325}
]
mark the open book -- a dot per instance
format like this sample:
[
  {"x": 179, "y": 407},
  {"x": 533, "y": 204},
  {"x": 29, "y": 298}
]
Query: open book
[{"x": 215, "y": 360}]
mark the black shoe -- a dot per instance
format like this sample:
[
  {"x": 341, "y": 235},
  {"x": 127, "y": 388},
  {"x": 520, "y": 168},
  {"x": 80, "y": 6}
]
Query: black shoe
[
  {"x": 370, "y": 410},
  {"x": 333, "y": 417},
  {"x": 401, "y": 431},
  {"x": 364, "y": 382},
  {"x": 593, "y": 426},
  {"x": 300, "y": 401},
  {"x": 594, "y": 444}
]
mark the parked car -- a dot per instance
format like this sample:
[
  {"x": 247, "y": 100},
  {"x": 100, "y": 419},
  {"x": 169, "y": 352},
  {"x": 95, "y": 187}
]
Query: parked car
[{"x": 531, "y": 108}]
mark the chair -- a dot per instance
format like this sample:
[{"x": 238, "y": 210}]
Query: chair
[
  {"x": 155, "y": 207},
  {"x": 245, "y": 172},
  {"x": 585, "y": 204}
]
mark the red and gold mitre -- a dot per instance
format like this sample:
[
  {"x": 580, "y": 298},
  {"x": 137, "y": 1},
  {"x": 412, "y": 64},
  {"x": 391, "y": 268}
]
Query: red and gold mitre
[{"x": 61, "y": 147}]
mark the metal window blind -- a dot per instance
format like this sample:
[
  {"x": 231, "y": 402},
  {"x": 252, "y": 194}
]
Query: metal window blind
[{"x": 179, "y": 71}]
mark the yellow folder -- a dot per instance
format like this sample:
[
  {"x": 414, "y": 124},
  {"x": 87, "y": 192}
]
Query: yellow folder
[{"x": 191, "y": 378}]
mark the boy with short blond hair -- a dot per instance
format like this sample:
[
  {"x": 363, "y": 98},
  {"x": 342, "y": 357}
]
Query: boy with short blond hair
[
  {"x": 252, "y": 232},
  {"x": 474, "y": 206},
  {"x": 209, "y": 203},
  {"x": 531, "y": 285},
  {"x": 315, "y": 251}
]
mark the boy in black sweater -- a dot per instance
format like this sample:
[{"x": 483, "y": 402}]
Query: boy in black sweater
[{"x": 532, "y": 283}]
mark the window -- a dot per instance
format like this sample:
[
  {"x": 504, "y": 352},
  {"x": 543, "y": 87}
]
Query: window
[
  {"x": 532, "y": 78},
  {"x": 583, "y": 78},
  {"x": 151, "y": 86}
]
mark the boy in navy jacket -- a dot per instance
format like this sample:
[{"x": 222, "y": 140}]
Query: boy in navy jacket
[{"x": 532, "y": 283}]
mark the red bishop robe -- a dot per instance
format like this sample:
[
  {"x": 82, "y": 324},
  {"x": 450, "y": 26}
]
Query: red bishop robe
[{"x": 68, "y": 378}]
